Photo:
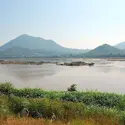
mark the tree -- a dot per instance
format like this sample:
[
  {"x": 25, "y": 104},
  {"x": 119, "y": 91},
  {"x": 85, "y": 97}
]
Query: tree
[
  {"x": 5, "y": 88},
  {"x": 72, "y": 88}
]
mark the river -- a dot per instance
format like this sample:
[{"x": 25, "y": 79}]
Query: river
[{"x": 105, "y": 75}]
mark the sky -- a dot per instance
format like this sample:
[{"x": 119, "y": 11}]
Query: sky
[{"x": 71, "y": 23}]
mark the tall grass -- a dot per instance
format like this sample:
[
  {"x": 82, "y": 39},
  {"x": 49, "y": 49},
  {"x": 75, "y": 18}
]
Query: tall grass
[
  {"x": 85, "y": 108},
  {"x": 66, "y": 111}
]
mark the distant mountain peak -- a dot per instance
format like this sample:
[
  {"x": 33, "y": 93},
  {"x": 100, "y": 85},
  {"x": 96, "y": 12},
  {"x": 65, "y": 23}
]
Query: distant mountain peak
[
  {"x": 35, "y": 46},
  {"x": 29, "y": 36},
  {"x": 120, "y": 45},
  {"x": 105, "y": 45},
  {"x": 104, "y": 50},
  {"x": 23, "y": 35}
]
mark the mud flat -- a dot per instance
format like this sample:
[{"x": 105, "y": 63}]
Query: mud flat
[
  {"x": 21, "y": 62},
  {"x": 79, "y": 63}
]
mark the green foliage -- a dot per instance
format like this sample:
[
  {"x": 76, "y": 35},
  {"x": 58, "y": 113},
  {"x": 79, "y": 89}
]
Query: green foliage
[
  {"x": 109, "y": 100},
  {"x": 36, "y": 93},
  {"x": 6, "y": 88},
  {"x": 4, "y": 106},
  {"x": 95, "y": 98},
  {"x": 62, "y": 110},
  {"x": 67, "y": 110},
  {"x": 17, "y": 103},
  {"x": 72, "y": 88},
  {"x": 69, "y": 105}
]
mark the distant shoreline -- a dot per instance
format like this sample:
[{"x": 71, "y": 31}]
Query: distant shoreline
[
  {"x": 54, "y": 58},
  {"x": 40, "y": 61},
  {"x": 76, "y": 63}
]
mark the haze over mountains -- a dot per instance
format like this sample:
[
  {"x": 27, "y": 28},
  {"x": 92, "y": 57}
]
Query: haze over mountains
[
  {"x": 105, "y": 50},
  {"x": 29, "y": 46},
  {"x": 120, "y": 45}
]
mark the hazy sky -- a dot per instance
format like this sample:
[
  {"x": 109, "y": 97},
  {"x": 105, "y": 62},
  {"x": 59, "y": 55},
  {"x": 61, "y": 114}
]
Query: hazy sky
[{"x": 71, "y": 23}]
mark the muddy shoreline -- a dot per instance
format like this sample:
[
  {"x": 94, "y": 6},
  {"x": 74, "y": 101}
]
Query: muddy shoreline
[
  {"x": 78, "y": 63},
  {"x": 22, "y": 62}
]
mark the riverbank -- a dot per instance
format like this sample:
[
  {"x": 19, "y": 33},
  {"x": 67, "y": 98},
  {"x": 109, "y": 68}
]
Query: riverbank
[
  {"x": 22, "y": 62},
  {"x": 77, "y": 63},
  {"x": 67, "y": 106}
]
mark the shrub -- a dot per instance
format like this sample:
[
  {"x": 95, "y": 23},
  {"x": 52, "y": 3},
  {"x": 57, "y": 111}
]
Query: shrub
[
  {"x": 6, "y": 88},
  {"x": 62, "y": 110},
  {"x": 72, "y": 88},
  {"x": 109, "y": 100},
  {"x": 17, "y": 104},
  {"x": 4, "y": 106}
]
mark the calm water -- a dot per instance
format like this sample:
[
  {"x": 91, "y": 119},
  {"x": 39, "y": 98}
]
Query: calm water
[{"x": 106, "y": 75}]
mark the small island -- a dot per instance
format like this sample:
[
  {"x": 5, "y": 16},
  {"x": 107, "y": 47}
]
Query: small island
[
  {"x": 78, "y": 63},
  {"x": 21, "y": 62}
]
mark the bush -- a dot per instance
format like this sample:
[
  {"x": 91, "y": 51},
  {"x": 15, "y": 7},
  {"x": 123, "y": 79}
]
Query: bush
[
  {"x": 67, "y": 110},
  {"x": 62, "y": 110},
  {"x": 6, "y": 88},
  {"x": 72, "y": 88},
  {"x": 109, "y": 100},
  {"x": 18, "y": 104},
  {"x": 4, "y": 106}
]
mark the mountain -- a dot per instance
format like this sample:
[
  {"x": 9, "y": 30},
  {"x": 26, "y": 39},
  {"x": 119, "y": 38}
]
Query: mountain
[
  {"x": 105, "y": 50},
  {"x": 120, "y": 45},
  {"x": 29, "y": 46},
  {"x": 30, "y": 42}
]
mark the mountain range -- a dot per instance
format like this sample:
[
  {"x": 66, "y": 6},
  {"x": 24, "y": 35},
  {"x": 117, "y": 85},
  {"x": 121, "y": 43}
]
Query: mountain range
[
  {"x": 105, "y": 50},
  {"x": 29, "y": 46},
  {"x": 120, "y": 45}
]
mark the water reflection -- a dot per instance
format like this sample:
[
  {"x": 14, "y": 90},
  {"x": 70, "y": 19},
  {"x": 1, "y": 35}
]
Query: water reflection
[{"x": 104, "y": 76}]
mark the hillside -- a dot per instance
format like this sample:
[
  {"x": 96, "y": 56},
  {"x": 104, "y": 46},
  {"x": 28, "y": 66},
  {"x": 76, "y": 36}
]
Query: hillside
[
  {"x": 120, "y": 45},
  {"x": 30, "y": 46},
  {"x": 30, "y": 42},
  {"x": 105, "y": 50}
]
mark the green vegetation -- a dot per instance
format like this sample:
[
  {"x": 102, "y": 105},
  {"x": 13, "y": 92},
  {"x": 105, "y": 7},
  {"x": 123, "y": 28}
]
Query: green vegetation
[
  {"x": 72, "y": 88},
  {"x": 109, "y": 100},
  {"x": 103, "y": 108},
  {"x": 64, "y": 111},
  {"x": 6, "y": 88}
]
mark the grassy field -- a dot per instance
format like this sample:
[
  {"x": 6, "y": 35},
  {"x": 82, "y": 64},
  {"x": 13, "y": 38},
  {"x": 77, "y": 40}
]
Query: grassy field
[{"x": 69, "y": 108}]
